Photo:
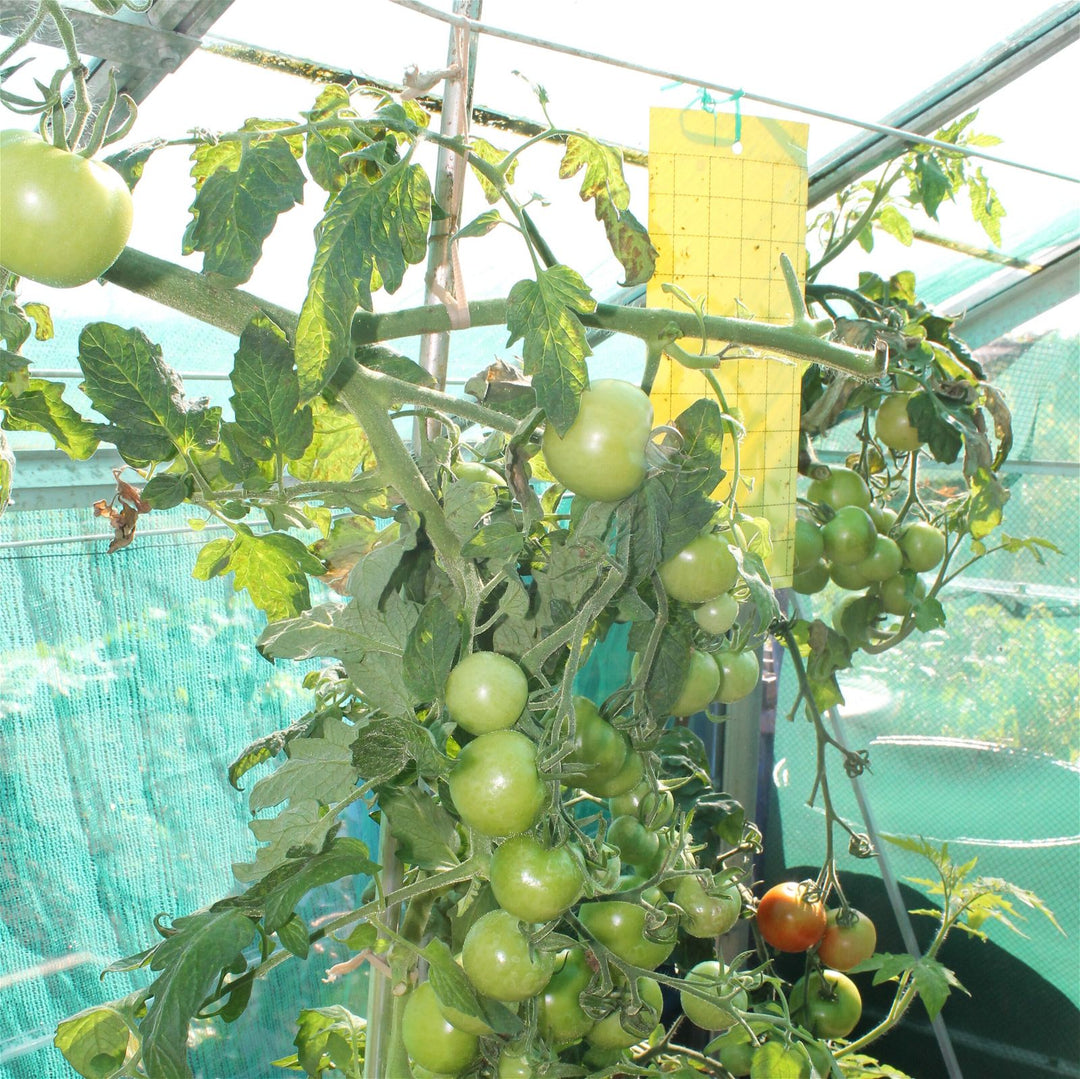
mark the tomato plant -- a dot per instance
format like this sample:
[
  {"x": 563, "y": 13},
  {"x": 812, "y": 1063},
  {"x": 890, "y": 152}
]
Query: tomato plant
[
  {"x": 602, "y": 455},
  {"x": 500, "y": 961},
  {"x": 846, "y": 943},
  {"x": 486, "y": 692},
  {"x": 827, "y": 1003},
  {"x": 702, "y": 570},
  {"x": 64, "y": 218},
  {"x": 535, "y": 883},
  {"x": 458, "y": 599},
  {"x": 893, "y": 425},
  {"x": 790, "y": 918},
  {"x": 430, "y": 1040},
  {"x": 495, "y": 785}
]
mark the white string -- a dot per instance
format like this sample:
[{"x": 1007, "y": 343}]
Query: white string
[{"x": 671, "y": 76}]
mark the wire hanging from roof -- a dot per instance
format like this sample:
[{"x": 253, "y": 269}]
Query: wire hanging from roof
[{"x": 706, "y": 84}]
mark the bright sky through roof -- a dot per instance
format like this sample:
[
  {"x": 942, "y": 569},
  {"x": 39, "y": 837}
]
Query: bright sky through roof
[{"x": 842, "y": 56}]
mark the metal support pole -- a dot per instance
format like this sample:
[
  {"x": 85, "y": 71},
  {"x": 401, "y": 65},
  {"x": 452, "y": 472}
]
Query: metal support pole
[{"x": 443, "y": 281}]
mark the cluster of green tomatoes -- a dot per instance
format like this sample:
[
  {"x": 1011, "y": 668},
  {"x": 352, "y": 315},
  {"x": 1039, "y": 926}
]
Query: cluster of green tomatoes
[{"x": 580, "y": 1005}]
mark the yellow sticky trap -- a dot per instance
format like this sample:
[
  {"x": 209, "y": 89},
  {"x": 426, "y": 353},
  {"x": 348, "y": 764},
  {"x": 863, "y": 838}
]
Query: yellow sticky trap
[{"x": 720, "y": 219}]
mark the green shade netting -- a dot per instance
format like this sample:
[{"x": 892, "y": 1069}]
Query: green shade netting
[{"x": 126, "y": 689}]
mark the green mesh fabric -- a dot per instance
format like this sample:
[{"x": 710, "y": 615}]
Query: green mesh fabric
[{"x": 126, "y": 688}]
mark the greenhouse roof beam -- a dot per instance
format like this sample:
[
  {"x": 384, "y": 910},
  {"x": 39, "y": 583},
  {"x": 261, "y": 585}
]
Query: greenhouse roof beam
[
  {"x": 141, "y": 53},
  {"x": 957, "y": 93}
]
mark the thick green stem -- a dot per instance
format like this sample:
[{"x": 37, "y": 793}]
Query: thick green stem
[{"x": 231, "y": 309}]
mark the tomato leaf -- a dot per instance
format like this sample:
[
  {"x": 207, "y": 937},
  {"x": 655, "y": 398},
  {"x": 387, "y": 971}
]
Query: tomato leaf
[
  {"x": 190, "y": 962},
  {"x": 388, "y": 744},
  {"x": 237, "y": 206},
  {"x": 96, "y": 1041},
  {"x": 266, "y": 748},
  {"x": 7, "y": 472},
  {"x": 143, "y": 398},
  {"x": 41, "y": 407},
  {"x": 544, "y": 314},
  {"x": 330, "y": 1037},
  {"x": 430, "y": 649},
  {"x": 300, "y": 830},
  {"x": 266, "y": 395},
  {"x": 338, "y": 447},
  {"x": 273, "y": 568},
  {"x": 327, "y": 143},
  {"x": 369, "y": 234},
  {"x": 603, "y": 177},
  {"x": 629, "y": 242},
  {"x": 493, "y": 156},
  {"x": 669, "y": 669},
  {"x": 936, "y": 428},
  {"x": 425, "y": 832},
  {"x": 131, "y": 161},
  {"x": 321, "y": 768},
  {"x": 702, "y": 430},
  {"x": 988, "y": 498}
]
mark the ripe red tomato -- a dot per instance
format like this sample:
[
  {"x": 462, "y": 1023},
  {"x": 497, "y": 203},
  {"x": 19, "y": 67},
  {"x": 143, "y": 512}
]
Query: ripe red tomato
[
  {"x": 64, "y": 218},
  {"x": 845, "y": 946},
  {"x": 485, "y": 692},
  {"x": 826, "y": 1003},
  {"x": 788, "y": 920},
  {"x": 702, "y": 570},
  {"x": 495, "y": 785},
  {"x": 500, "y": 961},
  {"x": 535, "y": 883},
  {"x": 602, "y": 455}
]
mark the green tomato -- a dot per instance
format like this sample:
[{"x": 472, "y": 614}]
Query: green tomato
[
  {"x": 476, "y": 472},
  {"x": 717, "y": 615},
  {"x": 812, "y": 580},
  {"x": 702, "y": 570},
  {"x": 602, "y": 455},
  {"x": 826, "y": 1003},
  {"x": 500, "y": 961},
  {"x": 883, "y": 562},
  {"x": 707, "y": 915},
  {"x": 64, "y": 218},
  {"x": 512, "y": 1066},
  {"x": 636, "y": 844},
  {"x": 710, "y": 974},
  {"x": 430, "y": 1040},
  {"x": 699, "y": 687},
  {"x": 850, "y": 536},
  {"x": 559, "y": 1015},
  {"x": 486, "y": 692},
  {"x": 893, "y": 425},
  {"x": 620, "y": 927},
  {"x": 739, "y": 672},
  {"x": 883, "y": 517},
  {"x": 598, "y": 750},
  {"x": 845, "y": 946},
  {"x": 809, "y": 546},
  {"x": 495, "y": 785},
  {"x": 535, "y": 883},
  {"x": 842, "y": 487},
  {"x": 653, "y": 806},
  {"x": 609, "y": 1032},
  {"x": 922, "y": 545},
  {"x": 894, "y": 594},
  {"x": 625, "y": 779},
  {"x": 849, "y": 577}
]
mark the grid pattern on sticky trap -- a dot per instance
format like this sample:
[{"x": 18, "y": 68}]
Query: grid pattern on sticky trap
[{"x": 720, "y": 220}]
